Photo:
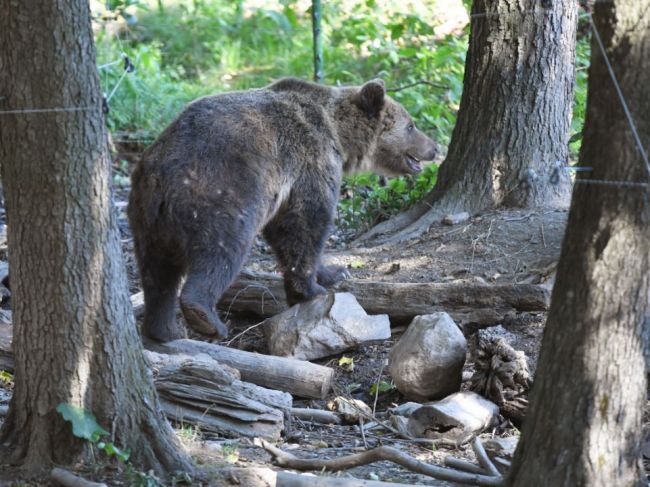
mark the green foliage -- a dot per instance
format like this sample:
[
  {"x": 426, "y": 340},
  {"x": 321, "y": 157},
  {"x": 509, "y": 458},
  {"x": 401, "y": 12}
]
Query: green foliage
[
  {"x": 381, "y": 387},
  {"x": 583, "y": 53},
  {"x": 230, "y": 452},
  {"x": 186, "y": 49},
  {"x": 367, "y": 200},
  {"x": 6, "y": 378},
  {"x": 85, "y": 426}
]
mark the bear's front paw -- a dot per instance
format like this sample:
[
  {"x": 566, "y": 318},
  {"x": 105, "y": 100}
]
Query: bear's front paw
[{"x": 329, "y": 275}]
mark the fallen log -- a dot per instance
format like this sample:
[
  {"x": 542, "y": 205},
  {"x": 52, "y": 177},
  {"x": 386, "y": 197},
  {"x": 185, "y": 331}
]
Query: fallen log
[
  {"x": 297, "y": 377},
  {"x": 265, "y": 477},
  {"x": 263, "y": 294},
  {"x": 203, "y": 392}
]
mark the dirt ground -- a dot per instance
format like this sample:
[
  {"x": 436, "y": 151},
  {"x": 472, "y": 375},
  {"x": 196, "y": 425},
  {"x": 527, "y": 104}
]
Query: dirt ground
[{"x": 494, "y": 247}]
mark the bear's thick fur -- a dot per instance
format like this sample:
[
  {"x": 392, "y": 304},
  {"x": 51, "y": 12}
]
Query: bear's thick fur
[{"x": 270, "y": 160}]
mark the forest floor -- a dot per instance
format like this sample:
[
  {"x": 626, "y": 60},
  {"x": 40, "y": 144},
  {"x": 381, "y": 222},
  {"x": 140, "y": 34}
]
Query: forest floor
[{"x": 494, "y": 247}]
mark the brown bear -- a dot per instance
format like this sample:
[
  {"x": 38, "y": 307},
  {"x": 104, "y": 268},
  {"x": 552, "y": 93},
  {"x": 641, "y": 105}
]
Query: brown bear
[{"x": 270, "y": 160}]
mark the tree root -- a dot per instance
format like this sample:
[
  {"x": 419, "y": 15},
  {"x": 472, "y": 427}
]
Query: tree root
[
  {"x": 387, "y": 453},
  {"x": 68, "y": 479}
]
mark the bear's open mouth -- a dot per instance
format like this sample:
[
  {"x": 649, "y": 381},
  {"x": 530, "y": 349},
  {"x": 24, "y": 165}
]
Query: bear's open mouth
[{"x": 413, "y": 164}]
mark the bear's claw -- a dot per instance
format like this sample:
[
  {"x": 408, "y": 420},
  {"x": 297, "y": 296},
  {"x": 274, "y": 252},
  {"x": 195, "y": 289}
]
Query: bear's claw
[
  {"x": 202, "y": 321},
  {"x": 329, "y": 275}
]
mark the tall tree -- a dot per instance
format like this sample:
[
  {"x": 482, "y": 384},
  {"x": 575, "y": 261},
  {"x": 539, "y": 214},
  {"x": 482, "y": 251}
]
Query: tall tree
[
  {"x": 584, "y": 424},
  {"x": 75, "y": 339},
  {"x": 513, "y": 124}
]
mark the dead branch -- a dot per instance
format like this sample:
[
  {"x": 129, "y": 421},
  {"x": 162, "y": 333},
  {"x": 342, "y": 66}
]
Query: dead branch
[
  {"x": 316, "y": 415},
  {"x": 382, "y": 453},
  {"x": 68, "y": 479},
  {"x": 483, "y": 459},
  {"x": 464, "y": 465},
  {"x": 417, "y": 83}
]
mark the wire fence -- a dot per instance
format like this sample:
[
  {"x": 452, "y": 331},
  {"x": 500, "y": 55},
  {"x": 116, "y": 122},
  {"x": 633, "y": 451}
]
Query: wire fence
[{"x": 543, "y": 7}]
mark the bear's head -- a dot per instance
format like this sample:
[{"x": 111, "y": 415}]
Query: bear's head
[{"x": 400, "y": 147}]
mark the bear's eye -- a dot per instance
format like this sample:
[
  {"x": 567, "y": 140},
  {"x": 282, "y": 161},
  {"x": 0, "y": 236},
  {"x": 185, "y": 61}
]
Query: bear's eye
[{"x": 410, "y": 127}]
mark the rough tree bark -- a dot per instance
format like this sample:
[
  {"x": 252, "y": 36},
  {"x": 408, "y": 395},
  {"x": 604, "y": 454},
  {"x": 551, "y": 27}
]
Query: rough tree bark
[
  {"x": 75, "y": 339},
  {"x": 512, "y": 129},
  {"x": 583, "y": 427}
]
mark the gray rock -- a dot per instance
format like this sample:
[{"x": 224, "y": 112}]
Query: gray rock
[
  {"x": 501, "y": 447},
  {"x": 456, "y": 218},
  {"x": 456, "y": 417},
  {"x": 427, "y": 362},
  {"x": 405, "y": 409},
  {"x": 324, "y": 326}
]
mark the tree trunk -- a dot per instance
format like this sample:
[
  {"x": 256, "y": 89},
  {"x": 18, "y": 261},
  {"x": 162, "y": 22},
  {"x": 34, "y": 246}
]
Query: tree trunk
[
  {"x": 510, "y": 143},
  {"x": 584, "y": 423},
  {"x": 75, "y": 339}
]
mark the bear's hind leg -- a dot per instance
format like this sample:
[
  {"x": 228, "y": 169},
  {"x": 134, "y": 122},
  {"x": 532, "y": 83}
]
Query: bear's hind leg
[
  {"x": 297, "y": 238},
  {"x": 160, "y": 281},
  {"x": 212, "y": 268}
]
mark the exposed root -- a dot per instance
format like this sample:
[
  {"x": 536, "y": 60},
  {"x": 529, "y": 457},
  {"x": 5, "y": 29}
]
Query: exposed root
[{"x": 385, "y": 453}]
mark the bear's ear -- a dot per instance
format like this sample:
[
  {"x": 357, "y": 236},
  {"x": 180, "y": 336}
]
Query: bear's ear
[{"x": 371, "y": 97}]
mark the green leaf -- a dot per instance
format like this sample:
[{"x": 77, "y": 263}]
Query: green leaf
[
  {"x": 84, "y": 424},
  {"x": 346, "y": 363},
  {"x": 113, "y": 451},
  {"x": 382, "y": 386},
  {"x": 6, "y": 377}
]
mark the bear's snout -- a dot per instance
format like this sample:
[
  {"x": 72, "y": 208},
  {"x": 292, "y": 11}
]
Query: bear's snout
[{"x": 425, "y": 149}]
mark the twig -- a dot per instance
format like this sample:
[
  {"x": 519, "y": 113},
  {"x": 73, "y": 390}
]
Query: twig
[
  {"x": 253, "y": 286},
  {"x": 381, "y": 371},
  {"x": 243, "y": 333},
  {"x": 543, "y": 238},
  {"x": 503, "y": 462},
  {"x": 464, "y": 465},
  {"x": 483, "y": 459},
  {"x": 68, "y": 479},
  {"x": 416, "y": 83},
  {"x": 316, "y": 415},
  {"x": 382, "y": 453},
  {"x": 363, "y": 434}
]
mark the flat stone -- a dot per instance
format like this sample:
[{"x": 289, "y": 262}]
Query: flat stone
[
  {"x": 324, "y": 326},
  {"x": 456, "y": 417}
]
